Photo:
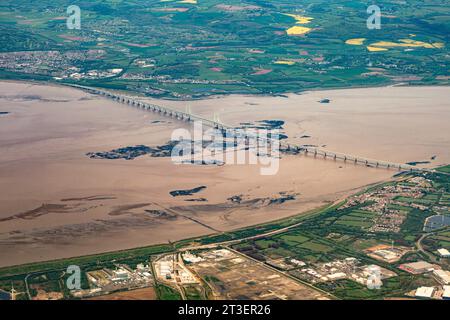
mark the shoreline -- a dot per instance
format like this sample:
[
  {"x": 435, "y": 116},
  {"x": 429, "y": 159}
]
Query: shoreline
[
  {"x": 301, "y": 216},
  {"x": 69, "y": 174},
  {"x": 185, "y": 242},
  {"x": 221, "y": 95}
]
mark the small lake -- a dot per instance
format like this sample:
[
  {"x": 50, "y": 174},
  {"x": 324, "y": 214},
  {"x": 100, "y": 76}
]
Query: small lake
[{"x": 436, "y": 222}]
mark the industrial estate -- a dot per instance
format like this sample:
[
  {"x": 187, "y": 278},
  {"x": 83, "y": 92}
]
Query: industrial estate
[{"x": 397, "y": 228}]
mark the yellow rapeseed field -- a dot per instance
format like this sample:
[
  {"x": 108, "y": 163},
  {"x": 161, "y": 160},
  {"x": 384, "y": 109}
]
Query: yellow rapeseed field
[
  {"x": 298, "y": 30},
  {"x": 356, "y": 42},
  {"x": 408, "y": 43},
  {"x": 286, "y": 62},
  {"x": 374, "y": 49},
  {"x": 300, "y": 19}
]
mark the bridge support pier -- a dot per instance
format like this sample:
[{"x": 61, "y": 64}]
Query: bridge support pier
[{"x": 188, "y": 118}]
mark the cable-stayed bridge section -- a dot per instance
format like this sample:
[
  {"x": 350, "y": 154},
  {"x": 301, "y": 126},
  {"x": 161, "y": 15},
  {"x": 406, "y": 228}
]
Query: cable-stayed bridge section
[{"x": 289, "y": 148}]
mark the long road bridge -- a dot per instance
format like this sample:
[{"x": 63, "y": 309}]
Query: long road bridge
[
  {"x": 164, "y": 111},
  {"x": 306, "y": 150},
  {"x": 327, "y": 154}
]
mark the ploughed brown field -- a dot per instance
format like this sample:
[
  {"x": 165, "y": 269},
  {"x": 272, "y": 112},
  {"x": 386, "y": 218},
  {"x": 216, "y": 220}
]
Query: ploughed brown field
[{"x": 57, "y": 202}]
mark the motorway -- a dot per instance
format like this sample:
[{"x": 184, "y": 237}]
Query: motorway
[{"x": 190, "y": 117}]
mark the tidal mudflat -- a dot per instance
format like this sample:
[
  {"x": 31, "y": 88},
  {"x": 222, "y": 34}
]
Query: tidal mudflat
[{"x": 55, "y": 201}]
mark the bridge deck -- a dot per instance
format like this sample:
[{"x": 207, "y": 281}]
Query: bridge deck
[{"x": 184, "y": 116}]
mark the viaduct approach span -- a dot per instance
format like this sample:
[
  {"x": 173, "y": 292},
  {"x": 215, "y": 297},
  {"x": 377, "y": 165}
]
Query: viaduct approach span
[{"x": 307, "y": 151}]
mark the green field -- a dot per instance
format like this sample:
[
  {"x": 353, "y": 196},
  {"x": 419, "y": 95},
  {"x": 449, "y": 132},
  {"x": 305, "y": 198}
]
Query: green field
[
  {"x": 340, "y": 233},
  {"x": 167, "y": 293},
  {"x": 180, "y": 50}
]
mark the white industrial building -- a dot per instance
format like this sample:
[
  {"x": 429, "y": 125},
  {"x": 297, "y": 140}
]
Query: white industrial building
[
  {"x": 298, "y": 262},
  {"x": 166, "y": 269},
  {"x": 444, "y": 253},
  {"x": 442, "y": 276},
  {"x": 446, "y": 294},
  {"x": 337, "y": 276},
  {"x": 387, "y": 255},
  {"x": 425, "y": 292},
  {"x": 120, "y": 275}
]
